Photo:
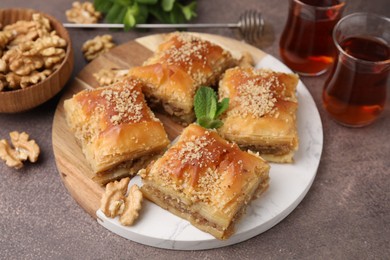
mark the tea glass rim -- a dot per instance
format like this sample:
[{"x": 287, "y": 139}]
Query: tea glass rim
[
  {"x": 341, "y": 50},
  {"x": 323, "y": 8}
]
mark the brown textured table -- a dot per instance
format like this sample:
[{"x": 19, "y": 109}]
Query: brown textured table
[{"x": 345, "y": 215}]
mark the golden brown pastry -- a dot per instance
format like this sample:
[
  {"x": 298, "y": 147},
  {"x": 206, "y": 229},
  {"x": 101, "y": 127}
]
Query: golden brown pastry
[
  {"x": 177, "y": 69},
  {"x": 262, "y": 112},
  {"x": 117, "y": 131},
  {"x": 205, "y": 180}
]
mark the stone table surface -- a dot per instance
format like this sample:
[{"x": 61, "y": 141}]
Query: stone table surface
[{"x": 345, "y": 215}]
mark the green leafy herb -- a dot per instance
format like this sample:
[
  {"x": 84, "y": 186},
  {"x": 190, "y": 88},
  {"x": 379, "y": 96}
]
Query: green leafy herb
[
  {"x": 132, "y": 12},
  {"x": 208, "y": 109}
]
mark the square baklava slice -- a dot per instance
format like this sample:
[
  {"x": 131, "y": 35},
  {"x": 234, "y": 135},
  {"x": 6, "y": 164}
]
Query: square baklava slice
[
  {"x": 181, "y": 64},
  {"x": 205, "y": 180},
  {"x": 262, "y": 112},
  {"x": 117, "y": 131}
]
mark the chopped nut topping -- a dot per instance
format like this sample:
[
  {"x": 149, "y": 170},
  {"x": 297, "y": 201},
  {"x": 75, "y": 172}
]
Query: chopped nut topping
[
  {"x": 256, "y": 95},
  {"x": 190, "y": 53},
  {"x": 195, "y": 150},
  {"x": 201, "y": 165},
  {"x": 191, "y": 48},
  {"x": 126, "y": 106}
]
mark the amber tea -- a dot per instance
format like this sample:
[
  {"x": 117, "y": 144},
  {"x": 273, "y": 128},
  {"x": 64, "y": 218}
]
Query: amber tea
[
  {"x": 361, "y": 103},
  {"x": 355, "y": 93},
  {"x": 306, "y": 45}
]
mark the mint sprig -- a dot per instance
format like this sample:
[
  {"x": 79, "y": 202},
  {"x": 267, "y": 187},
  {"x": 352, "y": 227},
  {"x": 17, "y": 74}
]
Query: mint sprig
[
  {"x": 132, "y": 12},
  {"x": 208, "y": 109}
]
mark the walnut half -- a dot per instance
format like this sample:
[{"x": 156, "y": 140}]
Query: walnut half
[
  {"x": 27, "y": 149},
  {"x": 29, "y": 52},
  {"x": 83, "y": 13},
  {"x": 133, "y": 203},
  {"x": 96, "y": 46},
  {"x": 115, "y": 202},
  {"x": 9, "y": 155},
  {"x": 23, "y": 149}
]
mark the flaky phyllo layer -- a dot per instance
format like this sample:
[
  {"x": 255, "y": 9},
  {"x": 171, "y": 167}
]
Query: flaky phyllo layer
[
  {"x": 262, "y": 112},
  {"x": 206, "y": 180},
  {"x": 181, "y": 65},
  {"x": 115, "y": 128}
]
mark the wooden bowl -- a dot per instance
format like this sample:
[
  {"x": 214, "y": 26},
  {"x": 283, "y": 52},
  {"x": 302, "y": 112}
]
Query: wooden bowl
[{"x": 24, "y": 99}]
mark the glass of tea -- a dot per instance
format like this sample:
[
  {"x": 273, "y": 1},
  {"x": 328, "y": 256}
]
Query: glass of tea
[
  {"x": 306, "y": 44},
  {"x": 355, "y": 92}
]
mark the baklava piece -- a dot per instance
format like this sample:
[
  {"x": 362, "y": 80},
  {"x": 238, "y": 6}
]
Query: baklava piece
[
  {"x": 177, "y": 69},
  {"x": 205, "y": 180},
  {"x": 262, "y": 112},
  {"x": 117, "y": 131}
]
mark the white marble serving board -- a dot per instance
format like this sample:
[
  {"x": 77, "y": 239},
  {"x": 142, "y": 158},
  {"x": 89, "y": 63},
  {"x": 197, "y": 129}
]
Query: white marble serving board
[{"x": 288, "y": 186}]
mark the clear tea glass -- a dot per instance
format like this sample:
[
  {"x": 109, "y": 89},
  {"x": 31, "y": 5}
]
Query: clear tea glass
[
  {"x": 355, "y": 92},
  {"x": 306, "y": 44}
]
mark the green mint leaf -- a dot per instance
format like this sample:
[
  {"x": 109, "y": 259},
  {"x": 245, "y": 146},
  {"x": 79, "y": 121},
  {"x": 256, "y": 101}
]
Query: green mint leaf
[
  {"x": 222, "y": 107},
  {"x": 124, "y": 2},
  {"x": 102, "y": 5},
  {"x": 167, "y": 5},
  {"x": 142, "y": 15},
  {"x": 156, "y": 12},
  {"x": 116, "y": 13},
  {"x": 204, "y": 121},
  {"x": 209, "y": 123},
  {"x": 165, "y": 11},
  {"x": 189, "y": 11},
  {"x": 205, "y": 103},
  {"x": 129, "y": 20},
  {"x": 147, "y": 2},
  {"x": 214, "y": 124}
]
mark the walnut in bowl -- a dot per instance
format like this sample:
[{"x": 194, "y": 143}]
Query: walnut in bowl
[{"x": 36, "y": 59}]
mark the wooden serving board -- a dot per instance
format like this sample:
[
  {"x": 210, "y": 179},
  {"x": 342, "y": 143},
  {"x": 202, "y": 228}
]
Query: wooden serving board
[{"x": 72, "y": 166}]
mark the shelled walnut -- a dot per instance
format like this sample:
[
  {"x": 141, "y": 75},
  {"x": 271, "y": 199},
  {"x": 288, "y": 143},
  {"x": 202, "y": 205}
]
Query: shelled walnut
[
  {"x": 29, "y": 52},
  {"x": 9, "y": 155},
  {"x": 83, "y": 13},
  {"x": 23, "y": 149},
  {"x": 24, "y": 31},
  {"x": 106, "y": 77},
  {"x": 112, "y": 202},
  {"x": 3, "y": 82},
  {"x": 115, "y": 202},
  {"x": 96, "y": 46},
  {"x": 133, "y": 203}
]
